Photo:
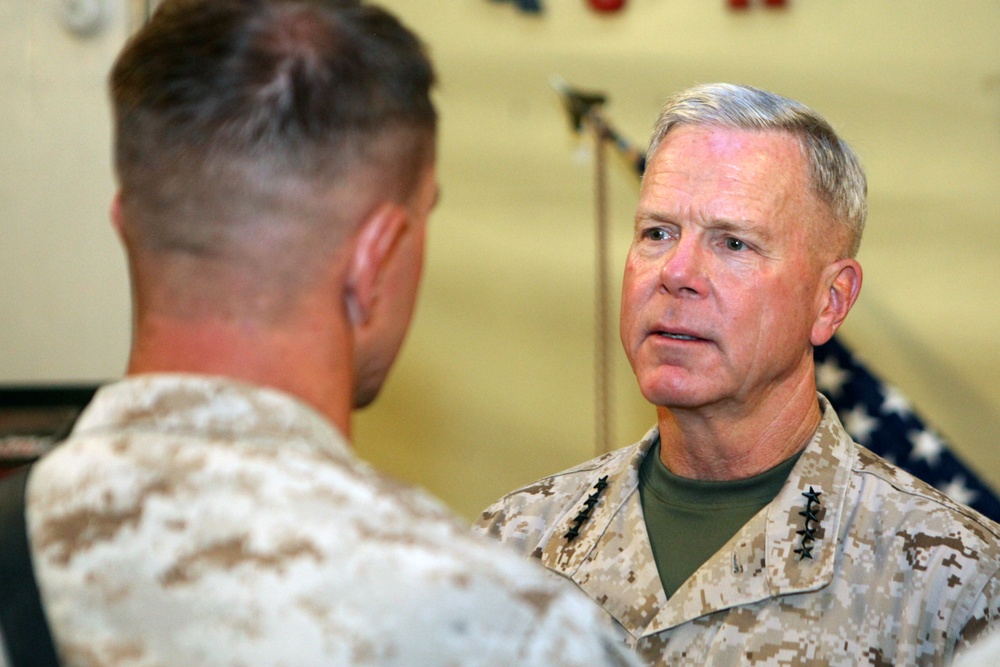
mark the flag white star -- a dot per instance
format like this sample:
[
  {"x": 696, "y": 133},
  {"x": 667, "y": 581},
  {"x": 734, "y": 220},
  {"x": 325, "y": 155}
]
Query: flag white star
[
  {"x": 830, "y": 378},
  {"x": 958, "y": 491},
  {"x": 860, "y": 424},
  {"x": 927, "y": 446},
  {"x": 895, "y": 402}
]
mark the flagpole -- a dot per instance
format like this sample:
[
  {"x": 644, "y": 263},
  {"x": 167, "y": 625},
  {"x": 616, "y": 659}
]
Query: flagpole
[
  {"x": 585, "y": 109},
  {"x": 603, "y": 388}
]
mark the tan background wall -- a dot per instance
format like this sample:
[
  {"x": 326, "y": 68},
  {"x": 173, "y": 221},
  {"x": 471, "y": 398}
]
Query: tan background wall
[{"x": 495, "y": 384}]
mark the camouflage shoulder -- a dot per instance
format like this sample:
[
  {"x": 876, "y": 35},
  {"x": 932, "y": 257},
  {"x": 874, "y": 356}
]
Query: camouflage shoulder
[
  {"x": 929, "y": 501},
  {"x": 525, "y": 514}
]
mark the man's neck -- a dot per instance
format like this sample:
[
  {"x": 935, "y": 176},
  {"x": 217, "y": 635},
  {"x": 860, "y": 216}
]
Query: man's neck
[
  {"x": 728, "y": 444},
  {"x": 304, "y": 365}
]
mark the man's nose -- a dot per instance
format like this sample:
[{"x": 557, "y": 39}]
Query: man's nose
[{"x": 684, "y": 272}]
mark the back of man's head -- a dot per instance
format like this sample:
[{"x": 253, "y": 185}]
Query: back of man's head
[{"x": 230, "y": 113}]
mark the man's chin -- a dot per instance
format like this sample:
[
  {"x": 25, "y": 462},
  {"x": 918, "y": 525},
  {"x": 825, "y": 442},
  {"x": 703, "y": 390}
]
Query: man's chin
[{"x": 675, "y": 396}]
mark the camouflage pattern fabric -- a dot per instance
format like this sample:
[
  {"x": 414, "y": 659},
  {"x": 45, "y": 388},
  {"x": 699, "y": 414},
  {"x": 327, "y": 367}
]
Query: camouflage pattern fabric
[
  {"x": 194, "y": 521},
  {"x": 855, "y": 562},
  {"x": 983, "y": 653}
]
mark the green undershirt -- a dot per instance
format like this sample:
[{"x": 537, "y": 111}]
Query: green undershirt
[{"x": 688, "y": 520}]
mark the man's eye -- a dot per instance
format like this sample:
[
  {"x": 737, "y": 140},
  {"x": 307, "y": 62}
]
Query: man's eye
[
  {"x": 735, "y": 244},
  {"x": 656, "y": 234}
]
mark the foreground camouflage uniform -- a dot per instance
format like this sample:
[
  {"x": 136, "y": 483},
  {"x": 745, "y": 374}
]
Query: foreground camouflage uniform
[
  {"x": 194, "y": 521},
  {"x": 855, "y": 562}
]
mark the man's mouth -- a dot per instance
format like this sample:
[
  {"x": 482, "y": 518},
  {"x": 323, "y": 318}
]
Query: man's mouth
[{"x": 676, "y": 336}]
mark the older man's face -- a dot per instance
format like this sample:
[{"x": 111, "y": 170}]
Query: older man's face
[{"x": 722, "y": 286}]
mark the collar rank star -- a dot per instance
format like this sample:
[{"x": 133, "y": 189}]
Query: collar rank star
[
  {"x": 808, "y": 532},
  {"x": 588, "y": 505}
]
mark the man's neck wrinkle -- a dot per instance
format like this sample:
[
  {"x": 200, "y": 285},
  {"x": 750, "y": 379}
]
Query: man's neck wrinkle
[{"x": 723, "y": 449}]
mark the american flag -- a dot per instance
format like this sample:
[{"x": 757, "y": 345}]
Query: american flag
[{"x": 881, "y": 418}]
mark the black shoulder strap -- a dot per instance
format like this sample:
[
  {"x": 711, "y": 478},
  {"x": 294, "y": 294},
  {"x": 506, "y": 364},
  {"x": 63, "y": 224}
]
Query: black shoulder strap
[{"x": 25, "y": 629}]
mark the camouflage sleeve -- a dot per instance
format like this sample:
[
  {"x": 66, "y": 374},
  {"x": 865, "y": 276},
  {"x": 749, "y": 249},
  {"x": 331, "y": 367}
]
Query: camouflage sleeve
[
  {"x": 984, "y": 617},
  {"x": 512, "y": 526},
  {"x": 489, "y": 521},
  {"x": 521, "y": 525},
  {"x": 577, "y": 635},
  {"x": 525, "y": 518},
  {"x": 495, "y": 522},
  {"x": 981, "y": 654}
]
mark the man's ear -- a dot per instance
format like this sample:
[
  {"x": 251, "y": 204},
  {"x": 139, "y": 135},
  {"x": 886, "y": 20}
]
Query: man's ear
[
  {"x": 841, "y": 283},
  {"x": 371, "y": 252}
]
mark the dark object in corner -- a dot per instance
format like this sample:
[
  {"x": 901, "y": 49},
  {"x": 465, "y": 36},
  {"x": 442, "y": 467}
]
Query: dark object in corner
[
  {"x": 25, "y": 629},
  {"x": 34, "y": 417}
]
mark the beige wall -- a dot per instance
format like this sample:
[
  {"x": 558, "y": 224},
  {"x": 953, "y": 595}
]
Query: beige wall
[{"x": 495, "y": 385}]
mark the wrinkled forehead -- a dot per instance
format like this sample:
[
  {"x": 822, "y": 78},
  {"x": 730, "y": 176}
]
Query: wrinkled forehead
[
  {"x": 733, "y": 174},
  {"x": 729, "y": 163}
]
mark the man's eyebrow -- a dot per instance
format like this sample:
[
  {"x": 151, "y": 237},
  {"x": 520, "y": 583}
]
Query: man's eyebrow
[
  {"x": 739, "y": 227},
  {"x": 646, "y": 216},
  {"x": 734, "y": 226}
]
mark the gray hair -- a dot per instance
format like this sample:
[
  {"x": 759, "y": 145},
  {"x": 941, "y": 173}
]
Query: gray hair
[{"x": 837, "y": 175}]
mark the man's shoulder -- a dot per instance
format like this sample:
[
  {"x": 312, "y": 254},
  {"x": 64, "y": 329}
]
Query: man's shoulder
[
  {"x": 563, "y": 487},
  {"x": 524, "y": 514},
  {"x": 915, "y": 509},
  {"x": 378, "y": 552},
  {"x": 885, "y": 502}
]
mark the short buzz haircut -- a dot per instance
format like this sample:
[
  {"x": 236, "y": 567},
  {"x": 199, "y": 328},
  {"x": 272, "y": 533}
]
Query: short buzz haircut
[
  {"x": 836, "y": 173},
  {"x": 229, "y": 102}
]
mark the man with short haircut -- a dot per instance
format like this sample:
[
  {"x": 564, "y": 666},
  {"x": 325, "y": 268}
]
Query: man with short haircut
[
  {"x": 747, "y": 528},
  {"x": 276, "y": 170}
]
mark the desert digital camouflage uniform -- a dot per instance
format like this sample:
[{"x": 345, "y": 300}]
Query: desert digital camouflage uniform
[
  {"x": 984, "y": 652},
  {"x": 898, "y": 574},
  {"x": 195, "y": 521}
]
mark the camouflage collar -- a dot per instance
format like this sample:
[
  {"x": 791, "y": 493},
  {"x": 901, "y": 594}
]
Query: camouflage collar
[
  {"x": 207, "y": 406},
  {"x": 789, "y": 547}
]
